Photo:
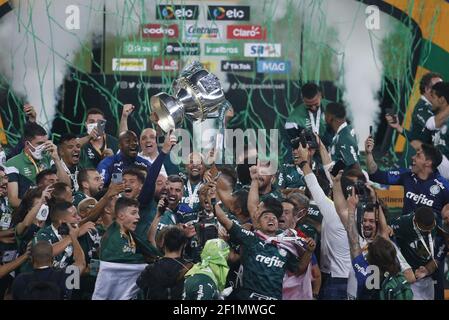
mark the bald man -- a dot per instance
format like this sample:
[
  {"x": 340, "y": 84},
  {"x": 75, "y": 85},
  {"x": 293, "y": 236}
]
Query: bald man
[
  {"x": 127, "y": 157},
  {"x": 148, "y": 145}
]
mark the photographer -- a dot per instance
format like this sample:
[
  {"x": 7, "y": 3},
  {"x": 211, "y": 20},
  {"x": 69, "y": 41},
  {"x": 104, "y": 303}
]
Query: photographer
[
  {"x": 290, "y": 175},
  {"x": 164, "y": 280},
  {"x": 57, "y": 233}
]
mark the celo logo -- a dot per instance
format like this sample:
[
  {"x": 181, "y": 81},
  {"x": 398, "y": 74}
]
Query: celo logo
[
  {"x": 192, "y": 49},
  {"x": 164, "y": 12},
  {"x": 237, "y": 66},
  {"x": 246, "y": 32},
  {"x": 222, "y": 49},
  {"x": 158, "y": 31},
  {"x": 141, "y": 48},
  {"x": 237, "y": 13},
  {"x": 160, "y": 64},
  {"x": 264, "y": 50}
]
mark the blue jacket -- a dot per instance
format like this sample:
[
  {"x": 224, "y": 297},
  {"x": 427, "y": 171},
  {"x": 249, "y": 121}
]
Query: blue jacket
[
  {"x": 117, "y": 163},
  {"x": 433, "y": 192}
]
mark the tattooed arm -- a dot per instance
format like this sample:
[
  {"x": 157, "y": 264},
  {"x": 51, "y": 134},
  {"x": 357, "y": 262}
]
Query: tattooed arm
[{"x": 351, "y": 227}]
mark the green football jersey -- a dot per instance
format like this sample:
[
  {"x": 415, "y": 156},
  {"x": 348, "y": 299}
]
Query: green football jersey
[
  {"x": 118, "y": 247},
  {"x": 200, "y": 287},
  {"x": 90, "y": 157},
  {"x": 344, "y": 146},
  {"x": 274, "y": 193},
  {"x": 418, "y": 131},
  {"x": 191, "y": 197},
  {"x": 264, "y": 264},
  {"x": 441, "y": 139},
  {"x": 50, "y": 234},
  {"x": 408, "y": 240},
  {"x": 291, "y": 177},
  {"x": 301, "y": 117}
]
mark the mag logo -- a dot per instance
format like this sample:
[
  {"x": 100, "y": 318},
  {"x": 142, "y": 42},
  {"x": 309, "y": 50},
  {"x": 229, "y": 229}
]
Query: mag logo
[
  {"x": 246, "y": 32},
  {"x": 264, "y": 50},
  {"x": 160, "y": 64},
  {"x": 273, "y": 66},
  {"x": 237, "y": 66},
  {"x": 158, "y": 31},
  {"x": 236, "y": 13},
  {"x": 172, "y": 12}
]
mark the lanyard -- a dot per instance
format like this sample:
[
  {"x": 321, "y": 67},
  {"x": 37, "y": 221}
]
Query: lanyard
[
  {"x": 315, "y": 124},
  {"x": 34, "y": 163},
  {"x": 420, "y": 237},
  {"x": 73, "y": 176},
  {"x": 102, "y": 148},
  {"x": 192, "y": 196}
]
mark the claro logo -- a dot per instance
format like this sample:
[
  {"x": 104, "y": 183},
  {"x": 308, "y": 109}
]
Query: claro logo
[
  {"x": 246, "y": 32},
  {"x": 158, "y": 31},
  {"x": 176, "y": 12},
  {"x": 237, "y": 13}
]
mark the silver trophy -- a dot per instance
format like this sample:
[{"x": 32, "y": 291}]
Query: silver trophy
[{"x": 197, "y": 95}]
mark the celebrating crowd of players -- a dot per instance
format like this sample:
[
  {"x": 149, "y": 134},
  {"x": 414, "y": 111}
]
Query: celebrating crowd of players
[{"x": 121, "y": 216}]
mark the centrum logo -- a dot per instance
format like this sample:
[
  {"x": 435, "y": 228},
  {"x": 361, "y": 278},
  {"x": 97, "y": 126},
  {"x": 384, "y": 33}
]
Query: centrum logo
[
  {"x": 237, "y": 13},
  {"x": 246, "y": 32},
  {"x": 164, "y": 12},
  {"x": 222, "y": 49},
  {"x": 159, "y": 31},
  {"x": 197, "y": 31}
]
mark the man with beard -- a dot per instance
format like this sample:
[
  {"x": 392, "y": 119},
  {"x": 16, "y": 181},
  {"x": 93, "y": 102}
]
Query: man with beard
[
  {"x": 344, "y": 145},
  {"x": 371, "y": 222},
  {"x": 264, "y": 260},
  {"x": 423, "y": 184},
  {"x": 148, "y": 145},
  {"x": 310, "y": 114},
  {"x": 69, "y": 149},
  {"x": 38, "y": 154},
  {"x": 46, "y": 178},
  {"x": 90, "y": 183},
  {"x": 195, "y": 172},
  {"x": 129, "y": 147}
]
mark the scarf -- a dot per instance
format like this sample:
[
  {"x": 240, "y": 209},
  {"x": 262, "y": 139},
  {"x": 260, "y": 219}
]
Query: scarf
[{"x": 287, "y": 240}]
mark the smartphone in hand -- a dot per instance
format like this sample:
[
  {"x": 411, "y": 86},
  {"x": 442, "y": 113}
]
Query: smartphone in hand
[
  {"x": 117, "y": 178},
  {"x": 101, "y": 126}
]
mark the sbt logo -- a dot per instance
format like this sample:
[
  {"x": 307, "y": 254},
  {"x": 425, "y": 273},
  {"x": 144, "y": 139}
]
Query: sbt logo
[
  {"x": 263, "y": 50},
  {"x": 273, "y": 66}
]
